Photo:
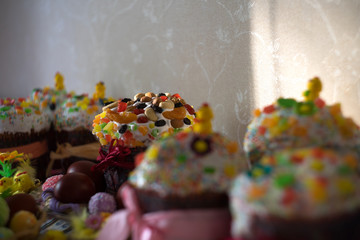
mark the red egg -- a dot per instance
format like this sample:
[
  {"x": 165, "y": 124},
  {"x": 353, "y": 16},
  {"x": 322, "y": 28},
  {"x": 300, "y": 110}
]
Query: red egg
[
  {"x": 74, "y": 187},
  {"x": 85, "y": 166},
  {"x": 22, "y": 201}
]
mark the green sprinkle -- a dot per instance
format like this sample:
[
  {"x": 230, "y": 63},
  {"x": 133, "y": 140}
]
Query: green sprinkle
[
  {"x": 117, "y": 135},
  {"x": 6, "y": 108},
  {"x": 154, "y": 132},
  {"x": 209, "y": 170},
  {"x": 283, "y": 121},
  {"x": 133, "y": 126},
  {"x": 282, "y": 160},
  {"x": 305, "y": 108},
  {"x": 344, "y": 170},
  {"x": 71, "y": 110},
  {"x": 181, "y": 158},
  {"x": 105, "y": 131},
  {"x": 306, "y": 93},
  {"x": 284, "y": 180},
  {"x": 27, "y": 110},
  {"x": 103, "y": 125},
  {"x": 286, "y": 102},
  {"x": 3, "y": 116},
  {"x": 176, "y": 130}
]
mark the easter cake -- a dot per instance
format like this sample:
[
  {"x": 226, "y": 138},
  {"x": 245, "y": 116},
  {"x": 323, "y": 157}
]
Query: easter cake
[
  {"x": 74, "y": 116},
  {"x": 24, "y": 127},
  {"x": 127, "y": 127},
  {"x": 288, "y": 123},
  {"x": 73, "y": 120},
  {"x": 73, "y": 126},
  {"x": 304, "y": 193},
  {"x": 187, "y": 170}
]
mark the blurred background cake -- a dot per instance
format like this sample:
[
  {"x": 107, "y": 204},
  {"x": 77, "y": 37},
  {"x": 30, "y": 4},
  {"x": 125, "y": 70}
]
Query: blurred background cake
[
  {"x": 288, "y": 123},
  {"x": 49, "y": 97},
  {"x": 73, "y": 120},
  {"x": 73, "y": 128},
  {"x": 304, "y": 193},
  {"x": 24, "y": 127}
]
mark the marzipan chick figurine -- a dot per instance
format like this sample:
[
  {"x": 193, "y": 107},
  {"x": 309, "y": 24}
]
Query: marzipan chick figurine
[
  {"x": 6, "y": 184},
  {"x": 59, "y": 82},
  {"x": 19, "y": 179},
  {"x": 24, "y": 179},
  {"x": 99, "y": 91},
  {"x": 203, "y": 120},
  {"x": 314, "y": 89}
]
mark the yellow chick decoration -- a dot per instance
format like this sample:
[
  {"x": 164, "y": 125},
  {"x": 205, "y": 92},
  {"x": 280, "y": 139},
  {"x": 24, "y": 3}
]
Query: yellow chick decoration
[
  {"x": 314, "y": 89},
  {"x": 6, "y": 184},
  {"x": 84, "y": 103},
  {"x": 6, "y": 173},
  {"x": 99, "y": 91},
  {"x": 24, "y": 179},
  {"x": 59, "y": 82},
  {"x": 203, "y": 119}
]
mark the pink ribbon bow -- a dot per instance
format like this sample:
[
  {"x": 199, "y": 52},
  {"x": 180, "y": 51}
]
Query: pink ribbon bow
[
  {"x": 115, "y": 157},
  {"x": 199, "y": 224}
]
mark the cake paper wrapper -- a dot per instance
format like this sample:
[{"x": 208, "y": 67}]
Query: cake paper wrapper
[
  {"x": 194, "y": 224},
  {"x": 116, "y": 163}
]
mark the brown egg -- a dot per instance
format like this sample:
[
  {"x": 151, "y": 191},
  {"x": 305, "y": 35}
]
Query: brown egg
[
  {"x": 74, "y": 187},
  {"x": 84, "y": 166},
  {"x": 22, "y": 201}
]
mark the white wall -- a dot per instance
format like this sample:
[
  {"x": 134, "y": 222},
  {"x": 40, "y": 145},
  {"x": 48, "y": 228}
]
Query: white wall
[{"x": 236, "y": 55}]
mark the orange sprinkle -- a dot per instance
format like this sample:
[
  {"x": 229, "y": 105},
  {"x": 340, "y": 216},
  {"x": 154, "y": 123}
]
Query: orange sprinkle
[
  {"x": 97, "y": 120},
  {"x": 68, "y": 104},
  {"x": 346, "y": 131},
  {"x": 232, "y": 147},
  {"x": 100, "y": 135},
  {"x": 19, "y": 111},
  {"x": 256, "y": 192},
  {"x": 143, "y": 130},
  {"x": 104, "y": 120},
  {"x": 108, "y": 137},
  {"x": 335, "y": 109},
  {"x": 171, "y": 130},
  {"x": 300, "y": 131},
  {"x": 257, "y": 112},
  {"x": 262, "y": 130},
  {"x": 351, "y": 161}
]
